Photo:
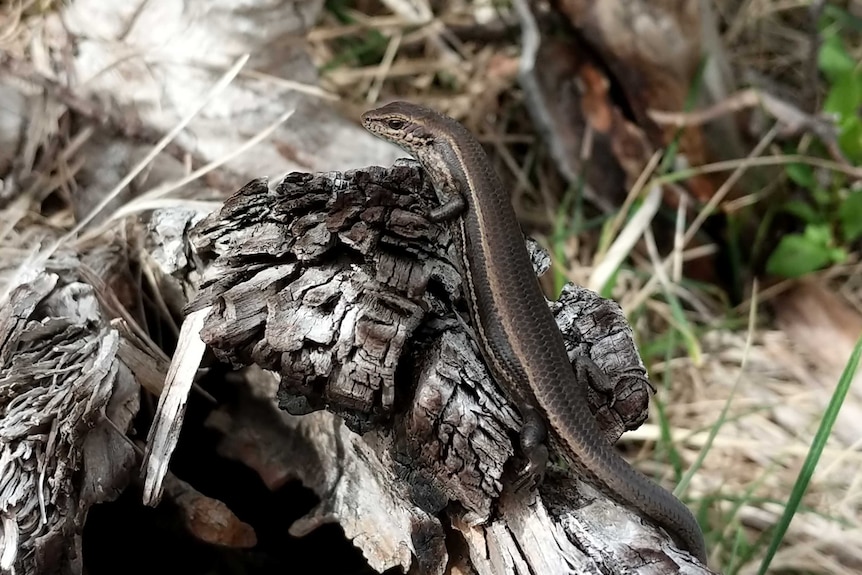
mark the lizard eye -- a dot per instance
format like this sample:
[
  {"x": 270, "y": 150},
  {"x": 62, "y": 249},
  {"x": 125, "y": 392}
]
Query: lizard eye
[{"x": 395, "y": 124}]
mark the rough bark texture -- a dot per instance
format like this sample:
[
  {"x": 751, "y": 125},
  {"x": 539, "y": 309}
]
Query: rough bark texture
[
  {"x": 338, "y": 283},
  {"x": 65, "y": 399}
]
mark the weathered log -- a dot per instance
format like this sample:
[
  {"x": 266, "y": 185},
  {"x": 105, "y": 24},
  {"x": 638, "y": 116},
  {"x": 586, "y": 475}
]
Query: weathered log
[
  {"x": 340, "y": 284},
  {"x": 65, "y": 400}
]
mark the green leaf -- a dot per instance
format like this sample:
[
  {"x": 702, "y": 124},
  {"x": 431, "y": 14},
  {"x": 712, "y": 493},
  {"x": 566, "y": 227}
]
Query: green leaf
[
  {"x": 850, "y": 138},
  {"x": 845, "y": 95},
  {"x": 802, "y": 175},
  {"x": 799, "y": 254},
  {"x": 850, "y": 214},
  {"x": 838, "y": 255},
  {"x": 833, "y": 60},
  {"x": 802, "y": 210},
  {"x": 818, "y": 234}
]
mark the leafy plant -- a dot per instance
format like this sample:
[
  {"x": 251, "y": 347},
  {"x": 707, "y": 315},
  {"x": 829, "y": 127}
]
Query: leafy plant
[{"x": 833, "y": 215}]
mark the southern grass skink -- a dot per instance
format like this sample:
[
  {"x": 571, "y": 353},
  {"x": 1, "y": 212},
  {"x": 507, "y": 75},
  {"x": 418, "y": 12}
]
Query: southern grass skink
[{"x": 516, "y": 330}]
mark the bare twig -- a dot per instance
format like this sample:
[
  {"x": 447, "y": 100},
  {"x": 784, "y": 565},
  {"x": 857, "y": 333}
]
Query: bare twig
[{"x": 793, "y": 119}]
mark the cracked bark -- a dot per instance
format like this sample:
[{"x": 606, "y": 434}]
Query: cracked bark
[
  {"x": 64, "y": 394},
  {"x": 339, "y": 284}
]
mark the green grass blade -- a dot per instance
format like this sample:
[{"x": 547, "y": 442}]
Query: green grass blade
[{"x": 814, "y": 454}]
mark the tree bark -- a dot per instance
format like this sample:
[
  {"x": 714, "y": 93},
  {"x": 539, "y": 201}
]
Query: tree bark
[
  {"x": 66, "y": 400},
  {"x": 339, "y": 284}
]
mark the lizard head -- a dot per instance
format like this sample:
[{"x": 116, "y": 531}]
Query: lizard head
[
  {"x": 437, "y": 141},
  {"x": 407, "y": 125}
]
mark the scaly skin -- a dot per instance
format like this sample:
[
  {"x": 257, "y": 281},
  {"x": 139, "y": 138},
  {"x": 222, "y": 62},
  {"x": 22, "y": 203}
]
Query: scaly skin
[{"x": 518, "y": 335}]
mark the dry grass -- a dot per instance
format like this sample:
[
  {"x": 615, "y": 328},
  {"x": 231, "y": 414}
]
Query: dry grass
[{"x": 701, "y": 353}]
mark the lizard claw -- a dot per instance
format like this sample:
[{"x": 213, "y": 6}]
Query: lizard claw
[
  {"x": 533, "y": 435},
  {"x": 533, "y": 474}
]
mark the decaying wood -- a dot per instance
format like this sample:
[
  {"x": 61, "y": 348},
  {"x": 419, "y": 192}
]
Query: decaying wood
[
  {"x": 165, "y": 430},
  {"x": 569, "y": 98},
  {"x": 356, "y": 486},
  {"x": 654, "y": 50},
  {"x": 338, "y": 283},
  {"x": 651, "y": 53},
  {"x": 391, "y": 358},
  {"x": 208, "y": 519},
  {"x": 64, "y": 397},
  {"x": 594, "y": 73}
]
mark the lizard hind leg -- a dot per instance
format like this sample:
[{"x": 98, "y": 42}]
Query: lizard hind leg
[{"x": 533, "y": 435}]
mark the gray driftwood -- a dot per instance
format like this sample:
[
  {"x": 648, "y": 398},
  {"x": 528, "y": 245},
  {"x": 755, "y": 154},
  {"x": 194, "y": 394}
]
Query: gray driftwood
[
  {"x": 339, "y": 284},
  {"x": 65, "y": 401}
]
